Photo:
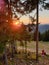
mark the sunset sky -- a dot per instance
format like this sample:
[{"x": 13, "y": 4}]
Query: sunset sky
[{"x": 43, "y": 15}]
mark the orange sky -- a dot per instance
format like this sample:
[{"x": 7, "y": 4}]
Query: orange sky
[
  {"x": 44, "y": 20},
  {"x": 43, "y": 17},
  {"x": 25, "y": 20}
]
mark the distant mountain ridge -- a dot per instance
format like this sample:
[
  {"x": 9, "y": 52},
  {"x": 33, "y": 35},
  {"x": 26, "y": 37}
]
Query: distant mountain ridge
[{"x": 43, "y": 27}]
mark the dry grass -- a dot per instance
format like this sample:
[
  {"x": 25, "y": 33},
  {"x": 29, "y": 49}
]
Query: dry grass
[{"x": 31, "y": 46}]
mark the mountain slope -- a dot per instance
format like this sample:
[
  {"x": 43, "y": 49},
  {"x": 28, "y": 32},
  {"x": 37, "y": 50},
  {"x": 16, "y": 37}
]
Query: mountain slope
[{"x": 43, "y": 27}]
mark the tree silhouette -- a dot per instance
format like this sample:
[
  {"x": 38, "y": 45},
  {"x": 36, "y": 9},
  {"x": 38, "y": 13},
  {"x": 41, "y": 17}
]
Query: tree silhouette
[{"x": 12, "y": 7}]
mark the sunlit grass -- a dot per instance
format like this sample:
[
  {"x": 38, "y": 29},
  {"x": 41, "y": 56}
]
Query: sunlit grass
[
  {"x": 31, "y": 46},
  {"x": 30, "y": 54}
]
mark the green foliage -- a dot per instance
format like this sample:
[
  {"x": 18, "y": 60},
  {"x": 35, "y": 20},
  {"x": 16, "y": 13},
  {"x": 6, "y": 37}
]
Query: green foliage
[
  {"x": 45, "y": 36},
  {"x": 28, "y": 5},
  {"x": 1, "y": 47},
  {"x": 39, "y": 35},
  {"x": 42, "y": 36},
  {"x": 21, "y": 43}
]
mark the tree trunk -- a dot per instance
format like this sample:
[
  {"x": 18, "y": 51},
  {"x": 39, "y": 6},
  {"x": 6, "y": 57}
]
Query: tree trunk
[
  {"x": 5, "y": 54},
  {"x": 26, "y": 49},
  {"x": 13, "y": 52},
  {"x": 37, "y": 32}
]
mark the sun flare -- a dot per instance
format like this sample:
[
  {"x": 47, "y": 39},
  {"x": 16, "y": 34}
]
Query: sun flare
[{"x": 16, "y": 23}]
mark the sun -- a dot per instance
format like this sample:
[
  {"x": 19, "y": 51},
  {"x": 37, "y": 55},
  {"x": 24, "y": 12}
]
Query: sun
[{"x": 16, "y": 23}]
